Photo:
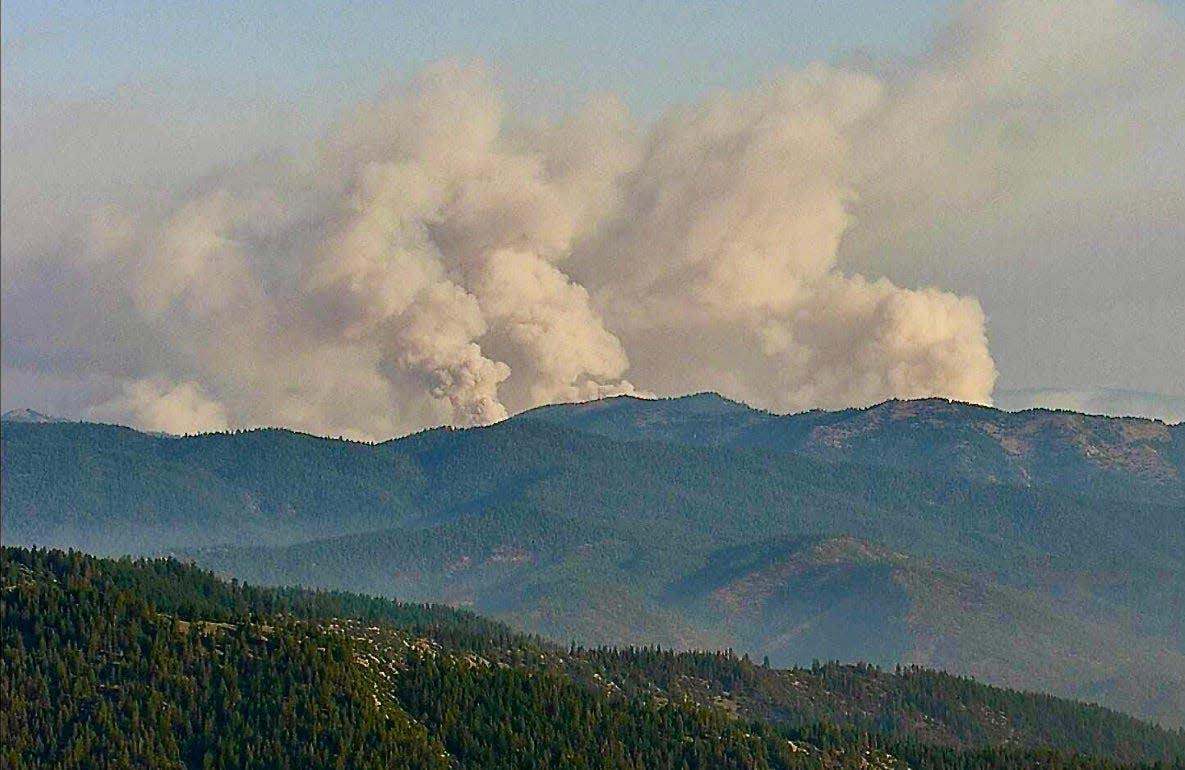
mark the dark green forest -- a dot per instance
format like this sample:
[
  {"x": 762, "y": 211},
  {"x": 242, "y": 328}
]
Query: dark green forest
[{"x": 156, "y": 663}]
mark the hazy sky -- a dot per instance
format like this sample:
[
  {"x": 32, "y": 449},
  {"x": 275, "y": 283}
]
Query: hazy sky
[{"x": 968, "y": 196}]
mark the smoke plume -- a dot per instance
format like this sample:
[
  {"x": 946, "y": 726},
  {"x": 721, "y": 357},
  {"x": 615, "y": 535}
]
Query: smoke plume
[{"x": 435, "y": 260}]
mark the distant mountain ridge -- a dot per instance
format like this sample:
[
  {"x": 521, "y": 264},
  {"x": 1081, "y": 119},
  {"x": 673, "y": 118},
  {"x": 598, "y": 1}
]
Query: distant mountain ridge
[
  {"x": 28, "y": 415},
  {"x": 1115, "y": 402},
  {"x": 1042, "y": 550},
  {"x": 1036, "y": 446}
]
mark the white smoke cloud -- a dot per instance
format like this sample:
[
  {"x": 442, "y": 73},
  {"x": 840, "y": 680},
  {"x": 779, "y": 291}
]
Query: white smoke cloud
[
  {"x": 173, "y": 408},
  {"x": 433, "y": 260},
  {"x": 436, "y": 340},
  {"x": 549, "y": 330},
  {"x": 448, "y": 238},
  {"x": 721, "y": 270}
]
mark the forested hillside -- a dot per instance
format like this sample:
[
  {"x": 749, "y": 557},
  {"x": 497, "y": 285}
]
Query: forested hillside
[
  {"x": 1107, "y": 456},
  {"x": 882, "y": 535},
  {"x": 158, "y": 664}
]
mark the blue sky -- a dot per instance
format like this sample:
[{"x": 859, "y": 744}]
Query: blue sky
[{"x": 326, "y": 56}]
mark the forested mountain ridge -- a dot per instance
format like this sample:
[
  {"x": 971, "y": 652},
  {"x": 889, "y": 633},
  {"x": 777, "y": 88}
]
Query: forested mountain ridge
[
  {"x": 1071, "y": 588},
  {"x": 156, "y": 663},
  {"x": 1116, "y": 455}
]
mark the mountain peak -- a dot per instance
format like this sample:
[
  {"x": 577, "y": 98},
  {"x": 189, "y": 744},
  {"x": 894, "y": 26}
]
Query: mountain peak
[
  {"x": 28, "y": 415},
  {"x": 699, "y": 418}
]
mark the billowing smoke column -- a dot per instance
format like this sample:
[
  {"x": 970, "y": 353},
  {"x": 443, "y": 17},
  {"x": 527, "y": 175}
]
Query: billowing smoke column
[
  {"x": 720, "y": 270},
  {"x": 437, "y": 263},
  {"x": 407, "y": 277},
  {"x": 432, "y": 260}
]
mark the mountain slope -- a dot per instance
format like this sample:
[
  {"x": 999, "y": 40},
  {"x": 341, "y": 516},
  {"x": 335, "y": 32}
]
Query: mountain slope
[
  {"x": 101, "y": 658},
  {"x": 1117, "y": 456},
  {"x": 108, "y": 489},
  {"x": 588, "y": 537},
  {"x": 793, "y": 600}
]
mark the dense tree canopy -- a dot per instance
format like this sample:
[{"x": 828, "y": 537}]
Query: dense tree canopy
[{"x": 155, "y": 663}]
